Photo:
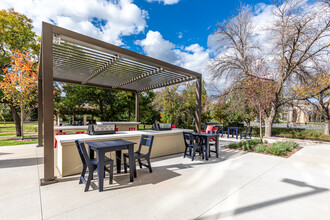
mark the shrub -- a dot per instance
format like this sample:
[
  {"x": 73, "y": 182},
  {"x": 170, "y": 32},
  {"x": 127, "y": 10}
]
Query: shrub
[
  {"x": 287, "y": 145},
  {"x": 253, "y": 141},
  {"x": 276, "y": 150},
  {"x": 233, "y": 145},
  {"x": 261, "y": 148}
]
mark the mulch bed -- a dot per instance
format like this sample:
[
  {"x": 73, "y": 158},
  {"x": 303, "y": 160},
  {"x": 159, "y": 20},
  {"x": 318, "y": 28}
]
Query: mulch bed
[{"x": 288, "y": 154}]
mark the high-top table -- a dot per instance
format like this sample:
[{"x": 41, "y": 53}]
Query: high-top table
[
  {"x": 206, "y": 137},
  {"x": 102, "y": 147}
]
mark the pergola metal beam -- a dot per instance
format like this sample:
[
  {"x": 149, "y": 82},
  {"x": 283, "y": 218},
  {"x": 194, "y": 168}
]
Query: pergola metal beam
[
  {"x": 142, "y": 76},
  {"x": 91, "y": 84},
  {"x": 101, "y": 69},
  {"x": 168, "y": 83}
]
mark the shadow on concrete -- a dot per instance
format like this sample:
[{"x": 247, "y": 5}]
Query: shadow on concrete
[
  {"x": 10, "y": 163},
  {"x": 315, "y": 190},
  {"x": 160, "y": 173},
  {"x": 4, "y": 153}
]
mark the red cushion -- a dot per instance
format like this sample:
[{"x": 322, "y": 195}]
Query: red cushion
[
  {"x": 215, "y": 129},
  {"x": 173, "y": 126},
  {"x": 209, "y": 128}
]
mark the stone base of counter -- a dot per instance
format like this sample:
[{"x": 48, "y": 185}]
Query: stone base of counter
[{"x": 68, "y": 161}]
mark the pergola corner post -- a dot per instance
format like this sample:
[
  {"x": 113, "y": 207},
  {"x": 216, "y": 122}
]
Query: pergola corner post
[
  {"x": 40, "y": 112},
  {"x": 137, "y": 107},
  {"x": 198, "y": 104},
  {"x": 47, "y": 102}
]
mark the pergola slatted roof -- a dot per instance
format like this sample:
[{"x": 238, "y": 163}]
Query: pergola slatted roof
[
  {"x": 67, "y": 56},
  {"x": 84, "y": 60}
]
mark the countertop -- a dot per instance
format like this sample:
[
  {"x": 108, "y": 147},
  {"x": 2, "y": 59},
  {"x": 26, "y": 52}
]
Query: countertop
[{"x": 119, "y": 134}]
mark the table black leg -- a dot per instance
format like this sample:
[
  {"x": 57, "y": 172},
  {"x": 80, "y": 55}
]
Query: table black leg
[
  {"x": 207, "y": 148},
  {"x": 118, "y": 160},
  {"x": 100, "y": 169},
  {"x": 131, "y": 162},
  {"x": 217, "y": 145}
]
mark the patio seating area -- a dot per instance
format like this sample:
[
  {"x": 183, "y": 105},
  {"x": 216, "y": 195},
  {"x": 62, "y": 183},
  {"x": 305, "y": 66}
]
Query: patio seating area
[{"x": 236, "y": 185}]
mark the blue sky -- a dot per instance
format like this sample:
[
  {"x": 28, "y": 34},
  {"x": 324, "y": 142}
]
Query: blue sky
[{"x": 194, "y": 20}]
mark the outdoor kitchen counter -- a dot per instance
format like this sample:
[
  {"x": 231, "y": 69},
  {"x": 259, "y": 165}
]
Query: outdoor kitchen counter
[
  {"x": 68, "y": 161},
  {"x": 121, "y": 125}
]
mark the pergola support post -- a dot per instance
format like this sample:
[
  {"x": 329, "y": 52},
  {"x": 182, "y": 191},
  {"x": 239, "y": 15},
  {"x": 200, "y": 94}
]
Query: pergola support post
[
  {"x": 137, "y": 107},
  {"x": 47, "y": 102},
  {"x": 40, "y": 113},
  {"x": 198, "y": 110}
]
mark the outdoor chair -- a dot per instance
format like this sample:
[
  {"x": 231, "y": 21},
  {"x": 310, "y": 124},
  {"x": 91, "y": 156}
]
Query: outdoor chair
[
  {"x": 131, "y": 129},
  {"x": 146, "y": 141},
  {"x": 91, "y": 164},
  {"x": 222, "y": 131},
  {"x": 212, "y": 142},
  {"x": 58, "y": 133},
  {"x": 191, "y": 146},
  {"x": 248, "y": 132}
]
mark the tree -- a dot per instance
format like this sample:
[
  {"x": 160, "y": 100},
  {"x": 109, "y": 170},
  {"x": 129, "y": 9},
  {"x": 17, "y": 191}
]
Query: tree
[
  {"x": 15, "y": 33},
  {"x": 298, "y": 34},
  {"x": 317, "y": 91},
  {"x": 233, "y": 106},
  {"x": 4, "y": 111},
  {"x": 259, "y": 89},
  {"x": 177, "y": 104},
  {"x": 148, "y": 114},
  {"x": 19, "y": 84}
]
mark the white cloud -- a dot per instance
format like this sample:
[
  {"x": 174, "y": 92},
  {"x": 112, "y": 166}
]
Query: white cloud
[
  {"x": 115, "y": 19},
  {"x": 165, "y": 2},
  {"x": 193, "y": 57}
]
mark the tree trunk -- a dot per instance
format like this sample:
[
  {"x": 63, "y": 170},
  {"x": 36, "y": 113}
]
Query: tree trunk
[
  {"x": 327, "y": 127},
  {"x": 269, "y": 122},
  {"x": 260, "y": 125},
  {"x": 16, "y": 119},
  {"x": 22, "y": 123}
]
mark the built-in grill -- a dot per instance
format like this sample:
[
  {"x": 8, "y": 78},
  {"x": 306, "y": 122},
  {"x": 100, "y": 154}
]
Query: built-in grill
[
  {"x": 101, "y": 129},
  {"x": 162, "y": 126}
]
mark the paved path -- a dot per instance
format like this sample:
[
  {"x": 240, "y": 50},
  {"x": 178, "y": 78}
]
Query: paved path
[{"x": 238, "y": 185}]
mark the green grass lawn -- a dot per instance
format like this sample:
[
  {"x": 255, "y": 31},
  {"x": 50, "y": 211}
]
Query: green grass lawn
[
  {"x": 18, "y": 142},
  {"x": 296, "y": 133},
  {"x": 9, "y": 128}
]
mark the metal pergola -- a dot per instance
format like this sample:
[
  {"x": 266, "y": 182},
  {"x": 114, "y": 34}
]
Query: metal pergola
[{"x": 70, "y": 57}]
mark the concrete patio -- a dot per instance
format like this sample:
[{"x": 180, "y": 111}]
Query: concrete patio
[{"x": 237, "y": 185}]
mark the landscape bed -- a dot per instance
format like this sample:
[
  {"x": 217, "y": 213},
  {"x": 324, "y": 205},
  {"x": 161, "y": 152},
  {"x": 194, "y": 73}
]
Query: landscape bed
[{"x": 282, "y": 149}]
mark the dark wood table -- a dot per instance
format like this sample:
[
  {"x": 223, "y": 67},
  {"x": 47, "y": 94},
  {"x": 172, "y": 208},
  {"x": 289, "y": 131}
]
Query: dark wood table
[
  {"x": 206, "y": 137},
  {"x": 102, "y": 147},
  {"x": 237, "y": 129}
]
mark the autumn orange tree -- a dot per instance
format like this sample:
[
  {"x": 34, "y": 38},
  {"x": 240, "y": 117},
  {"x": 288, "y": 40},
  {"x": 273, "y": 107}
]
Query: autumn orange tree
[
  {"x": 316, "y": 89},
  {"x": 19, "y": 84}
]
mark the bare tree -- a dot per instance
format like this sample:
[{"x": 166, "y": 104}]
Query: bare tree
[{"x": 299, "y": 32}]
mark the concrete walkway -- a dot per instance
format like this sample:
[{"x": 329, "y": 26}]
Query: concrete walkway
[{"x": 237, "y": 185}]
